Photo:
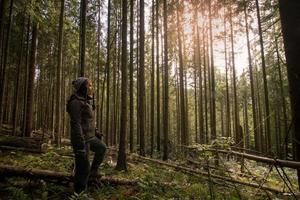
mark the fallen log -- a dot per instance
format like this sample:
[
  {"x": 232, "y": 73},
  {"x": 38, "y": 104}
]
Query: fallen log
[
  {"x": 25, "y": 142},
  {"x": 266, "y": 160},
  {"x": 209, "y": 175},
  {"x": 22, "y": 149},
  {"x": 271, "y": 161},
  {"x": 14, "y": 171}
]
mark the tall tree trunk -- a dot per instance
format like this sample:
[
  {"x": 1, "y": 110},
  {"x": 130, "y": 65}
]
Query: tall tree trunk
[
  {"x": 181, "y": 85},
  {"x": 205, "y": 69},
  {"x": 212, "y": 68},
  {"x": 152, "y": 81},
  {"x": 166, "y": 82},
  {"x": 157, "y": 78},
  {"x": 235, "y": 103},
  {"x": 263, "y": 64},
  {"x": 131, "y": 100},
  {"x": 141, "y": 102},
  {"x": 114, "y": 85},
  {"x": 98, "y": 66},
  {"x": 121, "y": 162},
  {"x": 259, "y": 112},
  {"x": 201, "y": 118},
  {"x": 178, "y": 112},
  {"x": 26, "y": 77},
  {"x": 2, "y": 12},
  {"x": 290, "y": 18},
  {"x": 108, "y": 72},
  {"x": 255, "y": 130},
  {"x": 58, "y": 75},
  {"x": 228, "y": 118},
  {"x": 83, "y": 6},
  {"x": 196, "y": 102},
  {"x": 30, "y": 90},
  {"x": 17, "y": 89},
  {"x": 5, "y": 56},
  {"x": 222, "y": 117}
]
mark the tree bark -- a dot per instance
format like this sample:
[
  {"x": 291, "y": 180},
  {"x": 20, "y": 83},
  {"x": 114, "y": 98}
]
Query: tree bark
[
  {"x": 237, "y": 135},
  {"x": 157, "y": 79},
  {"x": 212, "y": 69},
  {"x": 181, "y": 84},
  {"x": 17, "y": 89},
  {"x": 256, "y": 135},
  {"x": 108, "y": 72},
  {"x": 5, "y": 56},
  {"x": 152, "y": 81},
  {"x": 166, "y": 83},
  {"x": 266, "y": 93},
  {"x": 290, "y": 18},
  {"x": 228, "y": 116},
  {"x": 60, "y": 177},
  {"x": 121, "y": 162},
  {"x": 83, "y": 6},
  {"x": 99, "y": 102},
  {"x": 31, "y": 75},
  {"x": 131, "y": 98},
  {"x": 141, "y": 79},
  {"x": 58, "y": 75}
]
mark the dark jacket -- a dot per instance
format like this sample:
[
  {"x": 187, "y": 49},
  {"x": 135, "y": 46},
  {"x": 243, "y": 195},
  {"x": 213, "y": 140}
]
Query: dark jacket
[{"x": 82, "y": 120}]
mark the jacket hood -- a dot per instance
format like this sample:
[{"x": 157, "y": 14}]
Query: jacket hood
[{"x": 78, "y": 82}]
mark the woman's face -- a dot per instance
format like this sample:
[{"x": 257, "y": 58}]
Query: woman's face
[{"x": 90, "y": 89}]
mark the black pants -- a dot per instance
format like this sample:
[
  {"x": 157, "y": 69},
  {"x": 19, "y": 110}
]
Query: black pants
[{"x": 82, "y": 164}]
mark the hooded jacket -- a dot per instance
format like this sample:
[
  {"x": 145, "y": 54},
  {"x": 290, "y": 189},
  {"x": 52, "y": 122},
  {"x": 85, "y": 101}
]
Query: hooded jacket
[{"x": 82, "y": 117}]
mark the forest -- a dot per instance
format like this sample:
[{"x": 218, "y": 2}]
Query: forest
[{"x": 196, "y": 99}]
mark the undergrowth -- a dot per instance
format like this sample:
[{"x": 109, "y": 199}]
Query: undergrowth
[{"x": 154, "y": 182}]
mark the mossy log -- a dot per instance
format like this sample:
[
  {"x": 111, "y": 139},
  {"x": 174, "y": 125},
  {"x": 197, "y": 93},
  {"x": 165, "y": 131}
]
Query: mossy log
[
  {"x": 58, "y": 177},
  {"x": 24, "y": 142}
]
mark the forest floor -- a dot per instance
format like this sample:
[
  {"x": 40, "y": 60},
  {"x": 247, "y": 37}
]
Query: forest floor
[{"x": 153, "y": 181}]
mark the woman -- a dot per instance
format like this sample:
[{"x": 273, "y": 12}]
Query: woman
[{"x": 83, "y": 133}]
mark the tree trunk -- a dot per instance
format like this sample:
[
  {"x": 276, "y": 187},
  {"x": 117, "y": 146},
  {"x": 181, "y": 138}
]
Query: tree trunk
[
  {"x": 212, "y": 69},
  {"x": 5, "y": 56},
  {"x": 157, "y": 79},
  {"x": 58, "y": 75},
  {"x": 59, "y": 177},
  {"x": 131, "y": 100},
  {"x": 17, "y": 89},
  {"x": 2, "y": 16},
  {"x": 26, "y": 78},
  {"x": 290, "y": 18},
  {"x": 205, "y": 69},
  {"x": 107, "y": 73},
  {"x": 196, "y": 102},
  {"x": 263, "y": 65},
  {"x": 237, "y": 135},
  {"x": 166, "y": 82},
  {"x": 228, "y": 116},
  {"x": 83, "y": 6},
  {"x": 201, "y": 118},
  {"x": 141, "y": 102},
  {"x": 30, "y": 89},
  {"x": 114, "y": 85},
  {"x": 121, "y": 163},
  {"x": 181, "y": 85},
  {"x": 256, "y": 135},
  {"x": 152, "y": 82},
  {"x": 98, "y": 67},
  {"x": 246, "y": 126}
]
